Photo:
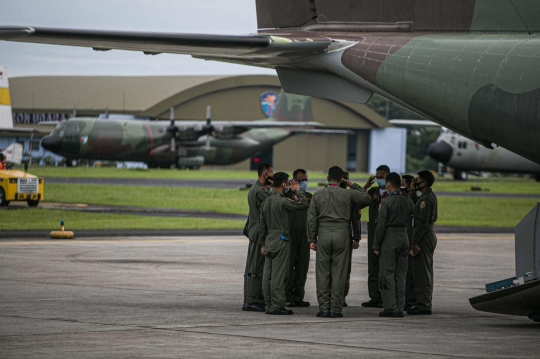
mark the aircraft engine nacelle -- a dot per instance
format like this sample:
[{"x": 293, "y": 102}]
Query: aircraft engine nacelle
[{"x": 192, "y": 162}]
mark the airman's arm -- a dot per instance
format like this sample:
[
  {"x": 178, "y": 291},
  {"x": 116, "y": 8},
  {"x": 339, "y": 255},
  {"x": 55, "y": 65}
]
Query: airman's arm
[
  {"x": 263, "y": 227},
  {"x": 297, "y": 206},
  {"x": 421, "y": 219},
  {"x": 262, "y": 195},
  {"x": 313, "y": 221},
  {"x": 359, "y": 196},
  {"x": 381, "y": 226}
]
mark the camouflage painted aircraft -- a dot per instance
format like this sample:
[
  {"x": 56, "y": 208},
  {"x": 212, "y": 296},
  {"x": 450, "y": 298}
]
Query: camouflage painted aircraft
[
  {"x": 185, "y": 144},
  {"x": 465, "y": 156},
  {"x": 472, "y": 66}
]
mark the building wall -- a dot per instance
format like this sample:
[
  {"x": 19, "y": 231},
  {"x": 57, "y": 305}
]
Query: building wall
[
  {"x": 234, "y": 104},
  {"x": 362, "y": 151},
  {"x": 311, "y": 152}
]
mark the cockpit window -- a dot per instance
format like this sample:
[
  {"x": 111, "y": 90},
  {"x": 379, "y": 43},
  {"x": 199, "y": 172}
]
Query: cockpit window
[
  {"x": 59, "y": 130},
  {"x": 72, "y": 128}
]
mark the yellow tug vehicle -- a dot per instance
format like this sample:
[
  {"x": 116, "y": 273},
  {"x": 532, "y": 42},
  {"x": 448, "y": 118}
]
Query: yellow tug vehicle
[{"x": 20, "y": 186}]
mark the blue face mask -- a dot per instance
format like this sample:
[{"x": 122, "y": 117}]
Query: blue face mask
[
  {"x": 303, "y": 185},
  {"x": 381, "y": 182},
  {"x": 286, "y": 190}
]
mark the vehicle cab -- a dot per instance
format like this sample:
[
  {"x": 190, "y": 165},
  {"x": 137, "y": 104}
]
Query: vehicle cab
[{"x": 20, "y": 186}]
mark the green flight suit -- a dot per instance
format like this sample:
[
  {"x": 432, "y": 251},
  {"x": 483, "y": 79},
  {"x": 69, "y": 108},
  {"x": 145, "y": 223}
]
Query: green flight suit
[
  {"x": 392, "y": 241},
  {"x": 425, "y": 215},
  {"x": 255, "y": 260},
  {"x": 274, "y": 234},
  {"x": 329, "y": 216},
  {"x": 355, "y": 234},
  {"x": 300, "y": 254},
  {"x": 373, "y": 260},
  {"x": 410, "y": 295}
]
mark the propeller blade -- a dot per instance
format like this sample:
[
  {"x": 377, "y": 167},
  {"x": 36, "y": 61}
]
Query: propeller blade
[
  {"x": 207, "y": 147},
  {"x": 173, "y": 144}
]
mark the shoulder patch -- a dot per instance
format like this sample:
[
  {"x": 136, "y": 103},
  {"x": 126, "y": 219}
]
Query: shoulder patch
[{"x": 423, "y": 204}]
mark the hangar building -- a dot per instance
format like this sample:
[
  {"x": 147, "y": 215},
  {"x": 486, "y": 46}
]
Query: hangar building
[{"x": 233, "y": 98}]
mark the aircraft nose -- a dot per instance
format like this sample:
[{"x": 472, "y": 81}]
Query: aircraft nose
[
  {"x": 440, "y": 151},
  {"x": 51, "y": 143}
]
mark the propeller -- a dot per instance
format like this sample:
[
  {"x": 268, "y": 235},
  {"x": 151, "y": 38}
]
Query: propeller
[
  {"x": 172, "y": 129},
  {"x": 208, "y": 128}
]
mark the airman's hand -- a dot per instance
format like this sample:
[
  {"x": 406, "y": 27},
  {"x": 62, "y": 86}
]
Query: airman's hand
[
  {"x": 313, "y": 246},
  {"x": 347, "y": 182},
  {"x": 415, "y": 250},
  {"x": 294, "y": 185},
  {"x": 413, "y": 182},
  {"x": 355, "y": 244},
  {"x": 262, "y": 250},
  {"x": 369, "y": 183},
  {"x": 377, "y": 253}
]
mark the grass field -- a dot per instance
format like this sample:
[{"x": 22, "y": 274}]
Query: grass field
[
  {"x": 491, "y": 184},
  {"x": 30, "y": 219},
  {"x": 200, "y": 199},
  {"x": 453, "y": 211}
]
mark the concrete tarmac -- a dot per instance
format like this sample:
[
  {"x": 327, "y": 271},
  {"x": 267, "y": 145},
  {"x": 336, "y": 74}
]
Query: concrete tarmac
[{"x": 180, "y": 297}]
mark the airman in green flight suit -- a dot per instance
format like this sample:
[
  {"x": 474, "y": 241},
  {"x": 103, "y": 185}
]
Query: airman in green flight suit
[
  {"x": 329, "y": 216},
  {"x": 275, "y": 237}
]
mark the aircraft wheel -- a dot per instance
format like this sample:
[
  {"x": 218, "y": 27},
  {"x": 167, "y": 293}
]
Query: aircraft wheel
[
  {"x": 32, "y": 203},
  {"x": 72, "y": 162},
  {"x": 3, "y": 202},
  {"x": 460, "y": 175}
]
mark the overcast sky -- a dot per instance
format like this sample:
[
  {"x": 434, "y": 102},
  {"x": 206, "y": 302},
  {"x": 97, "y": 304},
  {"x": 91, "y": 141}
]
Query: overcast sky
[{"x": 187, "y": 16}]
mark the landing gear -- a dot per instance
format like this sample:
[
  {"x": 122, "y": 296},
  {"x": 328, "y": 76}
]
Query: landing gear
[
  {"x": 72, "y": 162},
  {"x": 460, "y": 175}
]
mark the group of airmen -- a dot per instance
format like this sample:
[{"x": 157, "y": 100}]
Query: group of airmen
[{"x": 285, "y": 222}]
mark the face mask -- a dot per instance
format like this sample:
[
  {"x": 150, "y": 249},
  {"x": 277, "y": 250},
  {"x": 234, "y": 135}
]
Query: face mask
[
  {"x": 417, "y": 186},
  {"x": 303, "y": 185},
  {"x": 381, "y": 182},
  {"x": 405, "y": 189},
  {"x": 268, "y": 179},
  {"x": 387, "y": 192},
  {"x": 287, "y": 190}
]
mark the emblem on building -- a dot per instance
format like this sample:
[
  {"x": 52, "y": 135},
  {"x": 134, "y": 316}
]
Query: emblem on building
[{"x": 269, "y": 100}]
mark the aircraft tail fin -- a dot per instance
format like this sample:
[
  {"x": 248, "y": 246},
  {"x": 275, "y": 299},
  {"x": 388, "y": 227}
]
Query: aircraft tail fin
[
  {"x": 6, "y": 118},
  {"x": 291, "y": 107},
  {"x": 14, "y": 153},
  {"x": 400, "y": 15}
]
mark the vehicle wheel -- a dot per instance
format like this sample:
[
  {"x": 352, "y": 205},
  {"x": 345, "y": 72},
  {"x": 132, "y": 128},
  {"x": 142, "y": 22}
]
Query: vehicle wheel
[
  {"x": 3, "y": 201},
  {"x": 460, "y": 175},
  {"x": 32, "y": 203}
]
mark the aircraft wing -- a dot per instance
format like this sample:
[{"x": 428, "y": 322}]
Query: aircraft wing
[
  {"x": 21, "y": 132},
  {"x": 255, "y": 49}
]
